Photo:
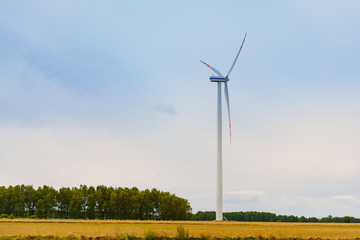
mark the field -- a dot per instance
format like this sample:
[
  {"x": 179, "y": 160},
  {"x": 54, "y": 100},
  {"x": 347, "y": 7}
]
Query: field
[{"x": 168, "y": 229}]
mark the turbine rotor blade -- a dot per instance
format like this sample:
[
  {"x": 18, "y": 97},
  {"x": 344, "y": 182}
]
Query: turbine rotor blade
[
  {"x": 228, "y": 105},
  {"x": 214, "y": 69},
  {"x": 232, "y": 66}
]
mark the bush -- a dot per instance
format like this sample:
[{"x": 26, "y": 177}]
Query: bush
[{"x": 4, "y": 215}]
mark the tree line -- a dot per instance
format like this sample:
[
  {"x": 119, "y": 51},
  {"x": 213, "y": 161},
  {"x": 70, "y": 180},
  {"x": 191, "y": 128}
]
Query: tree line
[
  {"x": 99, "y": 202},
  {"x": 269, "y": 217}
]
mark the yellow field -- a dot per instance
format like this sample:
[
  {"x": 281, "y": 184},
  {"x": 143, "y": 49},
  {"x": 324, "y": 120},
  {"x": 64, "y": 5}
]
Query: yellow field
[{"x": 113, "y": 228}]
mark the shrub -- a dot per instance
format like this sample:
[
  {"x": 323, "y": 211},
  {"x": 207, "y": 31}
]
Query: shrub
[{"x": 4, "y": 215}]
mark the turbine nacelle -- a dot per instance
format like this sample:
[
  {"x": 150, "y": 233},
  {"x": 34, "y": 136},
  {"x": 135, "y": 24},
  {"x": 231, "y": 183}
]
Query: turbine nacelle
[{"x": 218, "y": 79}]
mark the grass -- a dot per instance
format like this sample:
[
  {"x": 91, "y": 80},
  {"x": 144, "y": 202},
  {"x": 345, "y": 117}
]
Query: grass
[
  {"x": 182, "y": 234},
  {"x": 150, "y": 235},
  {"x": 31, "y": 229}
]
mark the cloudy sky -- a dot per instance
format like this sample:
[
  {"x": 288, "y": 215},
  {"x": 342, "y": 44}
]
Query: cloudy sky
[{"x": 113, "y": 93}]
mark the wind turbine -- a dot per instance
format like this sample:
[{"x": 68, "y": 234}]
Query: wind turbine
[{"x": 219, "y": 78}]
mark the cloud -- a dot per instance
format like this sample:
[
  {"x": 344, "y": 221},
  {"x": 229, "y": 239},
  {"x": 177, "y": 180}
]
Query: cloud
[
  {"x": 346, "y": 199},
  {"x": 243, "y": 196},
  {"x": 68, "y": 156},
  {"x": 72, "y": 154},
  {"x": 319, "y": 207},
  {"x": 166, "y": 109}
]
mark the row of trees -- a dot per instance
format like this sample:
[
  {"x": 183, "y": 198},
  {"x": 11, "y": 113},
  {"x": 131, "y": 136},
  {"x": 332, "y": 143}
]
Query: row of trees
[
  {"x": 92, "y": 203},
  {"x": 269, "y": 217}
]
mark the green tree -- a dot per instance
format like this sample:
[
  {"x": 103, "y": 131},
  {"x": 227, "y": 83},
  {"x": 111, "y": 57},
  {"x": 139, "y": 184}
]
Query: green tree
[
  {"x": 327, "y": 219},
  {"x": 174, "y": 208},
  {"x": 77, "y": 203},
  {"x": 155, "y": 197},
  {"x": 18, "y": 199},
  {"x": 135, "y": 203},
  {"x": 347, "y": 219},
  {"x": 91, "y": 203},
  {"x": 103, "y": 198},
  {"x": 84, "y": 192},
  {"x": 30, "y": 200},
  {"x": 46, "y": 203},
  {"x": 83, "y": 202},
  {"x": 125, "y": 203},
  {"x": 3, "y": 200},
  {"x": 147, "y": 205},
  {"x": 63, "y": 199},
  {"x": 114, "y": 204}
]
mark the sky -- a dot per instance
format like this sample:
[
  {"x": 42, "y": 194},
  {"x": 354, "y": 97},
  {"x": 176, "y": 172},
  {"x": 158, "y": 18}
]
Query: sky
[{"x": 113, "y": 93}]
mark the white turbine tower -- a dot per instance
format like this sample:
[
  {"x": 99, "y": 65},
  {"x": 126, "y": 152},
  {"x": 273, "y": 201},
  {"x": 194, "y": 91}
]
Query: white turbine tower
[{"x": 219, "y": 79}]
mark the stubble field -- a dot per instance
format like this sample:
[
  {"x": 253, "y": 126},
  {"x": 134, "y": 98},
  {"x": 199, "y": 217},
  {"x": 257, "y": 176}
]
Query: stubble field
[{"x": 168, "y": 229}]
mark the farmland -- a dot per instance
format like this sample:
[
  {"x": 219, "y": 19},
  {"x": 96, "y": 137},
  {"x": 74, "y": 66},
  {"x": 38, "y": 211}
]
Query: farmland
[{"x": 168, "y": 229}]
